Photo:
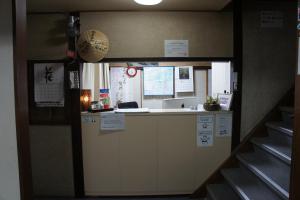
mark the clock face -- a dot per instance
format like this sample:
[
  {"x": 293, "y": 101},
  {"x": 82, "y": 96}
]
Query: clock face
[{"x": 131, "y": 71}]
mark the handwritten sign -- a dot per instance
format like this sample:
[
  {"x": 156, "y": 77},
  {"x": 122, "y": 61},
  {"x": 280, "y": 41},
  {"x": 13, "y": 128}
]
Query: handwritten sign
[{"x": 49, "y": 84}]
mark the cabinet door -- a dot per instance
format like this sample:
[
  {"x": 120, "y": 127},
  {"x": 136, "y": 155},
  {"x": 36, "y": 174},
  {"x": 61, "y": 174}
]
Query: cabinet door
[
  {"x": 176, "y": 153},
  {"x": 138, "y": 155},
  {"x": 100, "y": 159}
]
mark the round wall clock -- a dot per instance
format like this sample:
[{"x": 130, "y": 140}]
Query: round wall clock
[{"x": 131, "y": 71}]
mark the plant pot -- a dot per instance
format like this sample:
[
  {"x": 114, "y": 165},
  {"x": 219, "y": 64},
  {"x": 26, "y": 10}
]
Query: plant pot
[{"x": 211, "y": 107}]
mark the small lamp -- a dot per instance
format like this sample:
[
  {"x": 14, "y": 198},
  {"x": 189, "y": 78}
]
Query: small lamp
[{"x": 85, "y": 99}]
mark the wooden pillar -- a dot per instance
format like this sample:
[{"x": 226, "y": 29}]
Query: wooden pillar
[
  {"x": 21, "y": 98},
  {"x": 295, "y": 174},
  {"x": 238, "y": 69}
]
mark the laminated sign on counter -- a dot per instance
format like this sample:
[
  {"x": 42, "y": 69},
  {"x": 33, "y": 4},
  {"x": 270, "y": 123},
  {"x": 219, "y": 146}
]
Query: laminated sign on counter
[
  {"x": 205, "y": 129},
  {"x": 223, "y": 125}
]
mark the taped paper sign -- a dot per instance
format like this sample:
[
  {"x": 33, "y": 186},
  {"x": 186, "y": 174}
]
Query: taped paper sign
[
  {"x": 205, "y": 129},
  {"x": 223, "y": 125},
  {"x": 112, "y": 121}
]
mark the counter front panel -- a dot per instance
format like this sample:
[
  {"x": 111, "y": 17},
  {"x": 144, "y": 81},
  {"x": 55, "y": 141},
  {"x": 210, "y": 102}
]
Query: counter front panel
[{"x": 156, "y": 154}]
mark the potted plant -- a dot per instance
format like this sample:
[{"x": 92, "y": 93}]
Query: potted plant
[{"x": 211, "y": 104}]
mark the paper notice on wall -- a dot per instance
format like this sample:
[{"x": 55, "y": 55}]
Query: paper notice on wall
[
  {"x": 112, "y": 121},
  {"x": 271, "y": 19},
  {"x": 49, "y": 84},
  {"x": 143, "y": 64},
  {"x": 205, "y": 129},
  {"x": 184, "y": 79},
  {"x": 176, "y": 48},
  {"x": 223, "y": 125}
]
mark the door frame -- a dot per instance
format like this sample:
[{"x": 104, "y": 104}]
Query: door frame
[
  {"x": 295, "y": 171},
  {"x": 21, "y": 97},
  {"x": 22, "y": 112}
]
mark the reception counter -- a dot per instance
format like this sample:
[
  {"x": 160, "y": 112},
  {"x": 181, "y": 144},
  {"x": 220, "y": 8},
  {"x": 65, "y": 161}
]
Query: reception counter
[{"x": 156, "y": 154}]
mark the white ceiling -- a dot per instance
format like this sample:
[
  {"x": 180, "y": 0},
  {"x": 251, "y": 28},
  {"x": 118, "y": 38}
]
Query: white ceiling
[{"x": 123, "y": 5}]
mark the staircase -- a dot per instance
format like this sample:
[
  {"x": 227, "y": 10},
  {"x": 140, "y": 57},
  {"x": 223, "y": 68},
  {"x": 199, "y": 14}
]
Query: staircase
[{"x": 262, "y": 172}]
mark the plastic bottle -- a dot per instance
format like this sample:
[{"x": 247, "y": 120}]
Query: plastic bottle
[{"x": 104, "y": 98}]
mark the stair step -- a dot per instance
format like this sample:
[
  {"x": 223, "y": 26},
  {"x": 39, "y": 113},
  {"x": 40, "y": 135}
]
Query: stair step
[
  {"x": 287, "y": 114},
  {"x": 247, "y": 186},
  {"x": 276, "y": 147},
  {"x": 287, "y": 109},
  {"x": 220, "y": 191},
  {"x": 281, "y": 127},
  {"x": 270, "y": 170}
]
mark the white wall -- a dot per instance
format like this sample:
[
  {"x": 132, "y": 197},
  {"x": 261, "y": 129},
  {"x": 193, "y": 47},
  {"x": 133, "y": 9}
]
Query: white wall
[
  {"x": 9, "y": 177},
  {"x": 220, "y": 75},
  {"x": 136, "y": 34},
  {"x": 142, "y": 34},
  {"x": 47, "y": 36},
  {"x": 52, "y": 160},
  {"x": 269, "y": 60}
]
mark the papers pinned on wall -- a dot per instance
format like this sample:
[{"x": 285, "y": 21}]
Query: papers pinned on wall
[
  {"x": 112, "y": 121},
  {"x": 223, "y": 125},
  {"x": 205, "y": 130},
  {"x": 49, "y": 84},
  {"x": 184, "y": 79},
  {"x": 158, "y": 81}
]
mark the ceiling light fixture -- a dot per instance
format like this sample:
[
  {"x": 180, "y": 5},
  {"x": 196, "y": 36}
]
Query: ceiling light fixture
[{"x": 148, "y": 2}]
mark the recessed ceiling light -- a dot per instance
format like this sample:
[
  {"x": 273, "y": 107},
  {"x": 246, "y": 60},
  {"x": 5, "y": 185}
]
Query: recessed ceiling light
[{"x": 148, "y": 2}]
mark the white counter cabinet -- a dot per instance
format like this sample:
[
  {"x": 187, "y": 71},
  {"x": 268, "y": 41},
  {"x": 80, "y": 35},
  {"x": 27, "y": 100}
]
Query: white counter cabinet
[{"x": 156, "y": 154}]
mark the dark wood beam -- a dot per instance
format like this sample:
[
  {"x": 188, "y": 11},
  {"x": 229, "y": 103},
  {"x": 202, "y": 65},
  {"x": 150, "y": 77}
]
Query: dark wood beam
[
  {"x": 168, "y": 59},
  {"x": 238, "y": 68},
  {"x": 21, "y": 98},
  {"x": 73, "y": 64},
  {"x": 295, "y": 174}
]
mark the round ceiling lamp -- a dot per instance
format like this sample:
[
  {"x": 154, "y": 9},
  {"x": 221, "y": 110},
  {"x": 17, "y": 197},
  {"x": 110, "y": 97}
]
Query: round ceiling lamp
[
  {"x": 148, "y": 2},
  {"x": 92, "y": 45}
]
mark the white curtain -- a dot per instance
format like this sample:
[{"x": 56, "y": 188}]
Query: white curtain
[
  {"x": 95, "y": 76},
  {"x": 88, "y": 78},
  {"x": 104, "y": 78}
]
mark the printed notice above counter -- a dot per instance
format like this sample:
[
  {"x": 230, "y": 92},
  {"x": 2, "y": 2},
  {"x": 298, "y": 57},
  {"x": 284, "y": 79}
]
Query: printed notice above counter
[
  {"x": 112, "y": 121},
  {"x": 176, "y": 48}
]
